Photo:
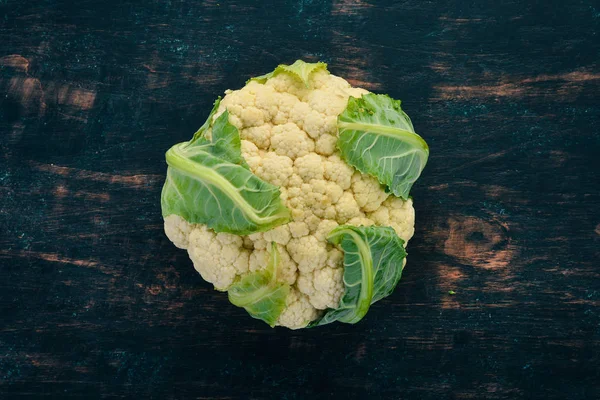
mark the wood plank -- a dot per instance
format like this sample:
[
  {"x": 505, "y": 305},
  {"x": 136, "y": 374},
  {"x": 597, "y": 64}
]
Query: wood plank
[{"x": 96, "y": 302}]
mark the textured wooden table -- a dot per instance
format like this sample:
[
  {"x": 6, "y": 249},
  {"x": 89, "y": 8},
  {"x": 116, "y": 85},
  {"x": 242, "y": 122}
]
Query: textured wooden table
[{"x": 95, "y": 302}]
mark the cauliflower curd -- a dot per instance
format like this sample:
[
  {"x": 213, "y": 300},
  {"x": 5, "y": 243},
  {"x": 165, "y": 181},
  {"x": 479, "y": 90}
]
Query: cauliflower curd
[{"x": 288, "y": 131}]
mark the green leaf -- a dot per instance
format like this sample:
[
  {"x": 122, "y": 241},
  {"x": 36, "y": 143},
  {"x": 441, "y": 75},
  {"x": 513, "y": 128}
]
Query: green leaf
[
  {"x": 260, "y": 294},
  {"x": 299, "y": 69},
  {"x": 202, "y": 130},
  {"x": 208, "y": 182},
  {"x": 373, "y": 259},
  {"x": 377, "y": 138},
  {"x": 226, "y": 142}
]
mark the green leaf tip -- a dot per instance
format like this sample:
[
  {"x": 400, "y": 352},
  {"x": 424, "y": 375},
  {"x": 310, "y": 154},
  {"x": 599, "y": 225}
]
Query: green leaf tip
[
  {"x": 377, "y": 138},
  {"x": 299, "y": 69},
  {"x": 202, "y": 130},
  {"x": 259, "y": 293},
  {"x": 373, "y": 263}
]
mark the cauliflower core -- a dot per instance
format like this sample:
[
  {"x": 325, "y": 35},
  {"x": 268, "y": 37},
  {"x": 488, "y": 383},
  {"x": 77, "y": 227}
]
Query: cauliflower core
[{"x": 289, "y": 135}]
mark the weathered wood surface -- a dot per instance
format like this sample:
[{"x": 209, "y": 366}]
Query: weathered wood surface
[{"x": 95, "y": 302}]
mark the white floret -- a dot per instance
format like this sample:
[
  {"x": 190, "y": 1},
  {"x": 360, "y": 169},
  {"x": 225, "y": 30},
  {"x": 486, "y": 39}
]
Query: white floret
[
  {"x": 308, "y": 252},
  {"x": 258, "y": 240},
  {"x": 347, "y": 208},
  {"x": 252, "y": 117},
  {"x": 259, "y": 135},
  {"x": 324, "y": 287},
  {"x": 258, "y": 260},
  {"x": 298, "y": 229},
  {"x": 286, "y": 268},
  {"x": 178, "y": 230},
  {"x": 326, "y": 145},
  {"x": 334, "y": 192},
  {"x": 312, "y": 221},
  {"x": 298, "y": 312},
  {"x": 335, "y": 258},
  {"x": 280, "y": 235},
  {"x": 252, "y": 155},
  {"x": 240, "y": 105},
  {"x": 397, "y": 213},
  {"x": 288, "y": 140},
  {"x": 288, "y": 84},
  {"x": 218, "y": 258},
  {"x": 316, "y": 200},
  {"x": 285, "y": 106},
  {"x": 295, "y": 181},
  {"x": 249, "y": 149},
  {"x": 283, "y": 194},
  {"x": 309, "y": 167},
  {"x": 266, "y": 100},
  {"x": 368, "y": 192},
  {"x": 336, "y": 170},
  {"x": 299, "y": 112},
  {"x": 317, "y": 125},
  {"x": 326, "y": 81},
  {"x": 402, "y": 217},
  {"x": 329, "y": 287},
  {"x": 324, "y": 229},
  {"x": 275, "y": 169},
  {"x": 328, "y": 102}
]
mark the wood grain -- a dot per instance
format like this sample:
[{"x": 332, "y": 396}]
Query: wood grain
[{"x": 96, "y": 303}]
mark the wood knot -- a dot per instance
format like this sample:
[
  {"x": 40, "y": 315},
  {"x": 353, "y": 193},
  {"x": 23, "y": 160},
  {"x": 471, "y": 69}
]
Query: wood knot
[{"x": 478, "y": 242}]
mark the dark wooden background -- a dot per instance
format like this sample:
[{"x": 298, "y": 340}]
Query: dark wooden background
[{"x": 95, "y": 302}]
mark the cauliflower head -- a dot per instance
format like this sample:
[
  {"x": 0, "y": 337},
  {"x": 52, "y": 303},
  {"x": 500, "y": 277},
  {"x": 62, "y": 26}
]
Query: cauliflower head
[{"x": 293, "y": 196}]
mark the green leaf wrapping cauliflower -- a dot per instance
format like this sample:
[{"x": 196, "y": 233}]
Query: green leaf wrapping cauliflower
[{"x": 293, "y": 196}]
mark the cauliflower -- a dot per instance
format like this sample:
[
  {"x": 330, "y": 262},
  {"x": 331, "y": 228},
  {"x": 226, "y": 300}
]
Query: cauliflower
[
  {"x": 295, "y": 200},
  {"x": 218, "y": 257}
]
